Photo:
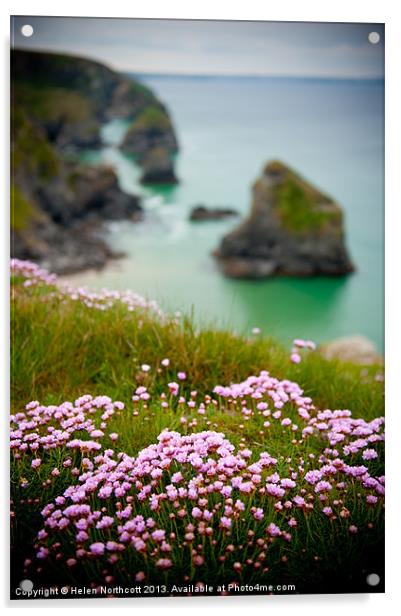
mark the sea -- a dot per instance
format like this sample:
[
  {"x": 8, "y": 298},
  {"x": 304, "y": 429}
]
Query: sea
[{"x": 330, "y": 131}]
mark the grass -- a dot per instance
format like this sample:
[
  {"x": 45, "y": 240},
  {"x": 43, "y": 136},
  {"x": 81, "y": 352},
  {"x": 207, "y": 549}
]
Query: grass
[
  {"x": 301, "y": 207},
  {"x": 31, "y": 152},
  {"x": 299, "y": 212},
  {"x": 53, "y": 104},
  {"x": 22, "y": 210},
  {"x": 151, "y": 118},
  {"x": 101, "y": 353},
  {"x": 61, "y": 349}
]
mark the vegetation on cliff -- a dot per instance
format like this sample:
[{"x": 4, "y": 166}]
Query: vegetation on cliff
[
  {"x": 301, "y": 207},
  {"x": 189, "y": 455}
]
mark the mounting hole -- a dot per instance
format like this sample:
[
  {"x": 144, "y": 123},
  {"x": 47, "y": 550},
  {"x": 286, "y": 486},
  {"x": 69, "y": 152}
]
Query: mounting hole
[
  {"x": 27, "y": 30},
  {"x": 26, "y": 585},
  {"x": 374, "y": 38},
  {"x": 373, "y": 579}
]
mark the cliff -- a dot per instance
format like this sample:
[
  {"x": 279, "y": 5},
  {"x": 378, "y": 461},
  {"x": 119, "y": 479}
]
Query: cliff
[
  {"x": 151, "y": 139},
  {"x": 293, "y": 229},
  {"x": 58, "y": 104}
]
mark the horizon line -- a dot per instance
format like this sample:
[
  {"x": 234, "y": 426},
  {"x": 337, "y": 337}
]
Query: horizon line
[
  {"x": 140, "y": 73},
  {"x": 133, "y": 73}
]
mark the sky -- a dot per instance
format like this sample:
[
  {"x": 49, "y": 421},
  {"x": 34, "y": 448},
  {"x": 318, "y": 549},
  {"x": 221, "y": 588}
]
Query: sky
[{"x": 290, "y": 49}]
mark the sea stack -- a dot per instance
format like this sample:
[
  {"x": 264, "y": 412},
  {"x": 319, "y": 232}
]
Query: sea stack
[
  {"x": 293, "y": 230},
  {"x": 151, "y": 139}
]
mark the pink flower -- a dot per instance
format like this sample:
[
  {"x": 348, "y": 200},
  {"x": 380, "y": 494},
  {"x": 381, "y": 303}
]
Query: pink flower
[
  {"x": 158, "y": 535},
  {"x": 225, "y": 522},
  {"x": 295, "y": 358},
  {"x": 164, "y": 563},
  {"x": 145, "y": 367},
  {"x": 181, "y": 376},
  {"x": 165, "y": 362},
  {"x": 196, "y": 513},
  {"x": 97, "y": 548},
  {"x": 323, "y": 486},
  {"x": 369, "y": 454},
  {"x": 273, "y": 530},
  {"x": 173, "y": 387}
]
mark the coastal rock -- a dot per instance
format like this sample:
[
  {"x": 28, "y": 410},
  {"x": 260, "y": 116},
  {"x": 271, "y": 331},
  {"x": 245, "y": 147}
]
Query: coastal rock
[
  {"x": 65, "y": 233},
  {"x": 158, "y": 167},
  {"x": 356, "y": 349},
  {"x": 151, "y": 139},
  {"x": 201, "y": 212},
  {"x": 293, "y": 229},
  {"x": 151, "y": 129},
  {"x": 58, "y": 206}
]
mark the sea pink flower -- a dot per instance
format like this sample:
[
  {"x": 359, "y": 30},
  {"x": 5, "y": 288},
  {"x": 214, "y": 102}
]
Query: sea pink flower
[
  {"x": 369, "y": 454},
  {"x": 273, "y": 530},
  {"x": 164, "y": 563},
  {"x": 225, "y": 522},
  {"x": 173, "y": 387},
  {"x": 97, "y": 548}
]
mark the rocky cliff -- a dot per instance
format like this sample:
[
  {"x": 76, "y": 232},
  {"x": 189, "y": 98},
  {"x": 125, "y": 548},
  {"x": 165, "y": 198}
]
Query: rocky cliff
[
  {"x": 57, "y": 203},
  {"x": 293, "y": 229},
  {"x": 151, "y": 139}
]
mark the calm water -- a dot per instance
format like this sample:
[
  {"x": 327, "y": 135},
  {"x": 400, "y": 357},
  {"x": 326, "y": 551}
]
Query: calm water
[{"x": 330, "y": 131}]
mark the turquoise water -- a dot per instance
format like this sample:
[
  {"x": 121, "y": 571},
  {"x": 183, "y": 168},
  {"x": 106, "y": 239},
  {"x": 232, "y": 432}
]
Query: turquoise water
[{"x": 329, "y": 131}]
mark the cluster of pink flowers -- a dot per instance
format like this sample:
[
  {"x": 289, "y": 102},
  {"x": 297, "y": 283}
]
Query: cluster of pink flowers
[
  {"x": 206, "y": 498},
  {"x": 189, "y": 497},
  {"x": 193, "y": 491},
  {"x": 297, "y": 346},
  {"x": 42, "y": 428},
  {"x": 32, "y": 273},
  {"x": 102, "y": 300}
]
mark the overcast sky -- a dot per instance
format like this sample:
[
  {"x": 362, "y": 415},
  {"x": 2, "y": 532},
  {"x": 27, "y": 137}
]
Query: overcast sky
[{"x": 212, "y": 47}]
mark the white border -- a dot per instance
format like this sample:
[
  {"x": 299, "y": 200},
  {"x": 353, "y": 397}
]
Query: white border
[{"x": 290, "y": 10}]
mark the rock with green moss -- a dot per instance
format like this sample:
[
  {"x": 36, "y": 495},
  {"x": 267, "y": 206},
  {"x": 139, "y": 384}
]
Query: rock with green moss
[
  {"x": 151, "y": 139},
  {"x": 293, "y": 229},
  {"x": 158, "y": 167},
  {"x": 152, "y": 128}
]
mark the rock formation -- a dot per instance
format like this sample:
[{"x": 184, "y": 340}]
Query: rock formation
[
  {"x": 293, "y": 229},
  {"x": 158, "y": 167},
  {"x": 57, "y": 208},
  {"x": 151, "y": 139},
  {"x": 355, "y": 349},
  {"x": 201, "y": 212}
]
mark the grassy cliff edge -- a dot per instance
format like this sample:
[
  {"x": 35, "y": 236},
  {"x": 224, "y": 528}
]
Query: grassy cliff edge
[{"x": 187, "y": 386}]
